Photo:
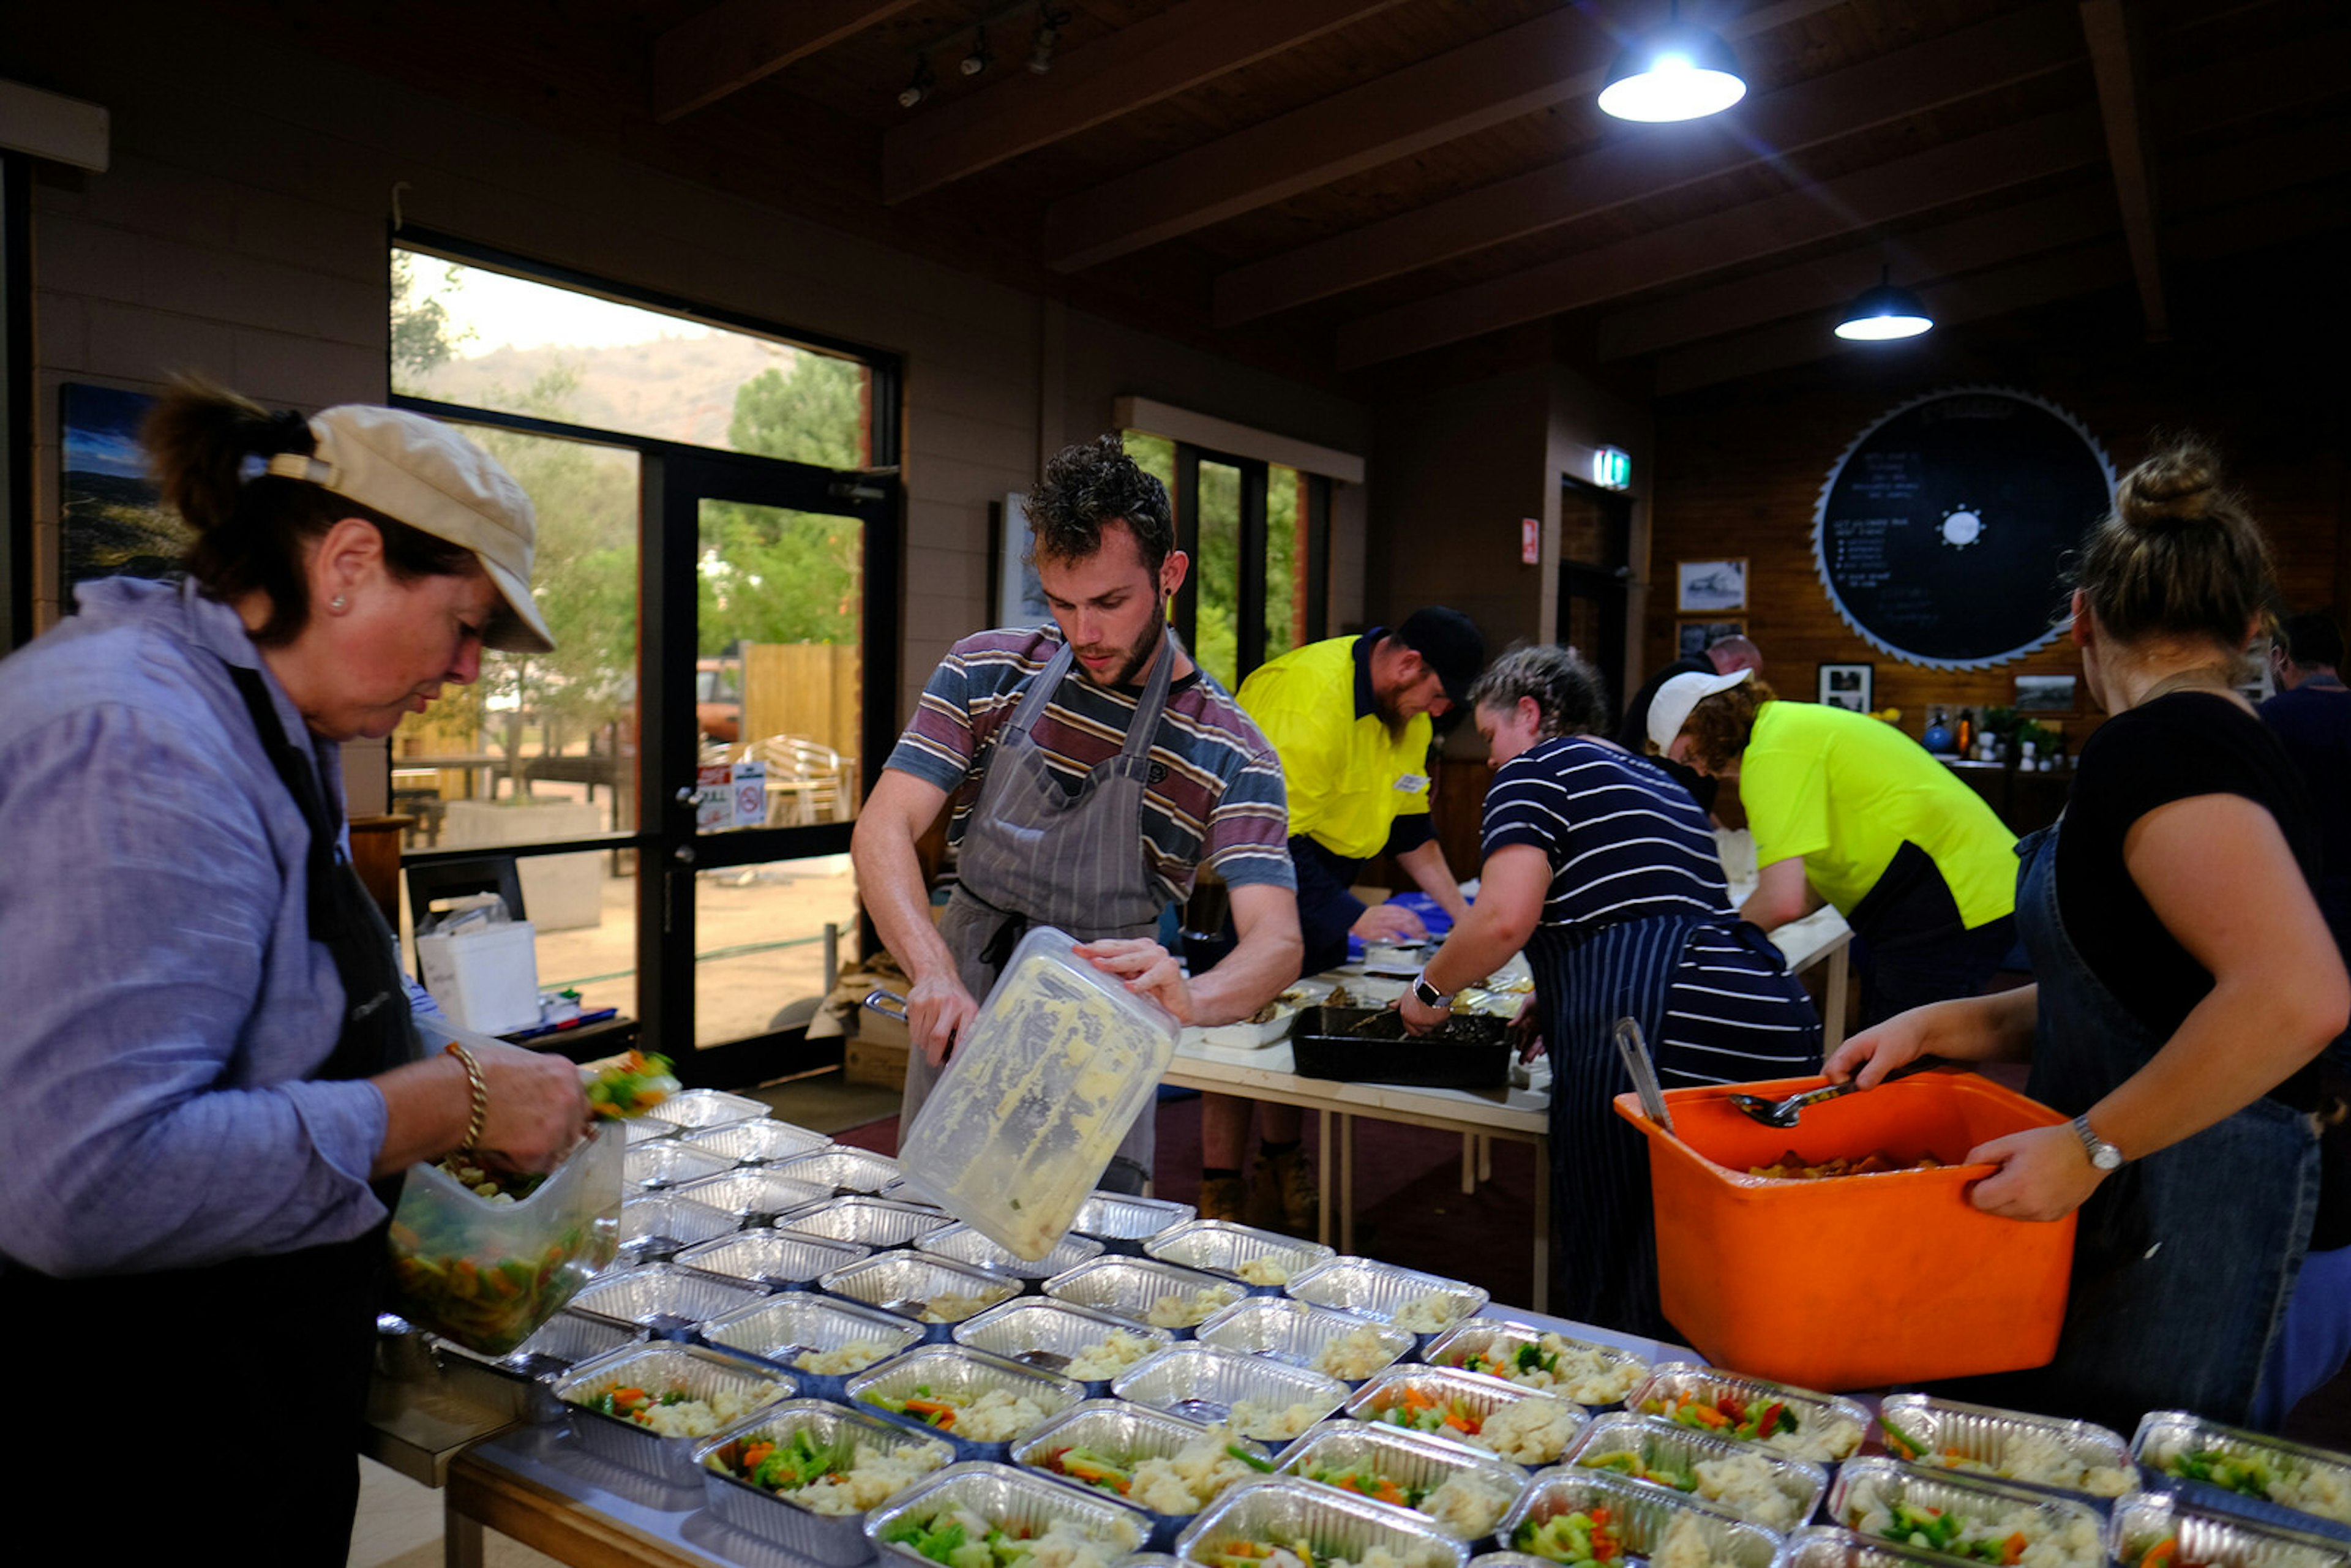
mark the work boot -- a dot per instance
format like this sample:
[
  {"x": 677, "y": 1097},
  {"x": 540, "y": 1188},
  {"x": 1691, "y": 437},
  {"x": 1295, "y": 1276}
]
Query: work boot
[
  {"x": 1283, "y": 1194},
  {"x": 1224, "y": 1198}
]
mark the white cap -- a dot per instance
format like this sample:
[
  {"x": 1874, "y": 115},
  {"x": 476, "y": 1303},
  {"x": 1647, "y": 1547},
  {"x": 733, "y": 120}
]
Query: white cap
[
  {"x": 420, "y": 472},
  {"x": 1670, "y": 708}
]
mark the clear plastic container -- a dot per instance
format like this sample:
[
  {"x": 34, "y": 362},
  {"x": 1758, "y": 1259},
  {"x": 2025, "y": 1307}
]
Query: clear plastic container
[
  {"x": 486, "y": 1274},
  {"x": 1037, "y": 1096}
]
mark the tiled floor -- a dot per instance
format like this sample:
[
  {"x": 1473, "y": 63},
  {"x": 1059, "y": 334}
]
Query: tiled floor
[{"x": 399, "y": 1523}]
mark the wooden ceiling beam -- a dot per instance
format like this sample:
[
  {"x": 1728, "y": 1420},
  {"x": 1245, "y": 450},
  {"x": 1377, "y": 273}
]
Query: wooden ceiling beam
[
  {"x": 1974, "y": 166},
  {"x": 2121, "y": 102},
  {"x": 1643, "y": 163},
  {"x": 1970, "y": 244},
  {"x": 1510, "y": 73},
  {"x": 1153, "y": 59},
  {"x": 737, "y": 42}
]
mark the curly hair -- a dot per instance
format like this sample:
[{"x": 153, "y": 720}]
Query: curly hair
[
  {"x": 1720, "y": 726},
  {"x": 2178, "y": 556},
  {"x": 1569, "y": 695},
  {"x": 1090, "y": 485}
]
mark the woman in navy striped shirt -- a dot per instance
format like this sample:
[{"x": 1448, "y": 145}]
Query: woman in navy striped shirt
[{"x": 1605, "y": 871}]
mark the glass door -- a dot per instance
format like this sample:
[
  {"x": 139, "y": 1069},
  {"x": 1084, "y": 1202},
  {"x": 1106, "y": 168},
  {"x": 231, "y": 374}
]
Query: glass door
[{"x": 777, "y": 592}]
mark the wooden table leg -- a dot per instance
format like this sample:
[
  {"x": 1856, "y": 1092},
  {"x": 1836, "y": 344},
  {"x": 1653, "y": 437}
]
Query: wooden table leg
[
  {"x": 461, "y": 1541},
  {"x": 1323, "y": 1176},
  {"x": 1485, "y": 1156},
  {"x": 1541, "y": 1302},
  {"x": 1468, "y": 1164},
  {"x": 1347, "y": 1183}
]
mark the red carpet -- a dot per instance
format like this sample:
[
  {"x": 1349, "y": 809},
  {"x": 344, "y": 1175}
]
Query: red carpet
[{"x": 1409, "y": 1206}]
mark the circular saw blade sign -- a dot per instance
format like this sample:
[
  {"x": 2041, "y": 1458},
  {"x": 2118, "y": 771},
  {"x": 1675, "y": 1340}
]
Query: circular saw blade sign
[{"x": 1941, "y": 532}]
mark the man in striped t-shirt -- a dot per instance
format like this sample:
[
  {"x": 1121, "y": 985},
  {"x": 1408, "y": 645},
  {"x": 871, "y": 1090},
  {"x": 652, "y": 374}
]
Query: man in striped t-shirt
[{"x": 1090, "y": 769}]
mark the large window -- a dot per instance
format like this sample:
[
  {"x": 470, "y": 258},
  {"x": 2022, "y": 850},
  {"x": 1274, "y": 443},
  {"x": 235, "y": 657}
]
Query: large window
[
  {"x": 711, "y": 526},
  {"x": 1258, "y": 535}
]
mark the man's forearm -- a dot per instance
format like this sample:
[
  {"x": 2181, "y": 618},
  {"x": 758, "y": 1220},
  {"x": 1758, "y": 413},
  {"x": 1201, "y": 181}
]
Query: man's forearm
[
  {"x": 1264, "y": 960},
  {"x": 889, "y": 881},
  {"x": 1426, "y": 864}
]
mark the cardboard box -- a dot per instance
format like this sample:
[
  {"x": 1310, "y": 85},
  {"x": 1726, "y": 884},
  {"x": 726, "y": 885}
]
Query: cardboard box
[
  {"x": 486, "y": 978},
  {"x": 874, "y": 1061}
]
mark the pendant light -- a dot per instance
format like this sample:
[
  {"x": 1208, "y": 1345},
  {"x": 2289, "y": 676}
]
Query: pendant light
[
  {"x": 1884, "y": 312},
  {"x": 1673, "y": 72}
]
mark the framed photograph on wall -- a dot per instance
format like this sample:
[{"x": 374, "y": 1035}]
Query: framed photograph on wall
[
  {"x": 1020, "y": 597},
  {"x": 1848, "y": 686},
  {"x": 111, "y": 519},
  {"x": 2044, "y": 694},
  {"x": 1709, "y": 587},
  {"x": 1691, "y": 638}
]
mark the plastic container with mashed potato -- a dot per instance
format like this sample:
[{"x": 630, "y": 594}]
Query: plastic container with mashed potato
[{"x": 1039, "y": 1092}]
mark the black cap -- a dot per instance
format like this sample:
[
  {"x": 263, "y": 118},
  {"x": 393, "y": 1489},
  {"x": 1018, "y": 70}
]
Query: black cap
[{"x": 1448, "y": 643}]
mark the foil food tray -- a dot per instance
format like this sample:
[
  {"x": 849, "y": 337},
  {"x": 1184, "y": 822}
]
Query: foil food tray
[
  {"x": 966, "y": 1245},
  {"x": 650, "y": 1129},
  {"x": 1621, "y": 1370},
  {"x": 1012, "y": 1499},
  {"x": 1642, "y": 1515},
  {"x": 1134, "y": 1288},
  {"x": 789, "y": 1328},
  {"x": 771, "y": 1259},
  {"x": 844, "y": 1170},
  {"x": 934, "y": 1293},
  {"x": 878, "y": 1223},
  {"x": 1220, "y": 1247},
  {"x": 2164, "y": 1435},
  {"x": 669, "y": 1302},
  {"x": 653, "y": 1168},
  {"x": 1123, "y": 1223},
  {"x": 753, "y": 1194},
  {"x": 1131, "y": 1433},
  {"x": 1829, "y": 1546},
  {"x": 1481, "y": 1396},
  {"x": 1862, "y": 1484},
  {"x": 1052, "y": 1336},
  {"x": 1332, "y": 1523},
  {"x": 1406, "y": 1459},
  {"x": 701, "y": 1109},
  {"x": 1385, "y": 1292},
  {"x": 1201, "y": 1383},
  {"x": 2215, "y": 1537},
  {"x": 1952, "y": 1436},
  {"x": 759, "y": 1143},
  {"x": 659, "y": 1367},
  {"x": 1835, "y": 1425},
  {"x": 1297, "y": 1333},
  {"x": 660, "y": 1225},
  {"x": 1798, "y": 1484},
  {"x": 958, "y": 1376},
  {"x": 780, "y": 1518}
]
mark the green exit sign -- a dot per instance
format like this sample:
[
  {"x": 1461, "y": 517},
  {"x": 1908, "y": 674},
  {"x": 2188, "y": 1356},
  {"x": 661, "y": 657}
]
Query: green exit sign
[{"x": 1612, "y": 468}]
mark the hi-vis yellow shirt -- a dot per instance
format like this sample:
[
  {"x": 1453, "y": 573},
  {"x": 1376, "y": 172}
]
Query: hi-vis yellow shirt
[{"x": 1347, "y": 777}]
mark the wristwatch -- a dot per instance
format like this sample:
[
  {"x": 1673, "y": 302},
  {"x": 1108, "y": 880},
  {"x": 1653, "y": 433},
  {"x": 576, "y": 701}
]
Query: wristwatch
[
  {"x": 2102, "y": 1155},
  {"x": 1428, "y": 995}
]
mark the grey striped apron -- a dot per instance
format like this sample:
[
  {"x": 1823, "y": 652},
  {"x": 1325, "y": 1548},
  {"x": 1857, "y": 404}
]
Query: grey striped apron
[{"x": 1035, "y": 852}]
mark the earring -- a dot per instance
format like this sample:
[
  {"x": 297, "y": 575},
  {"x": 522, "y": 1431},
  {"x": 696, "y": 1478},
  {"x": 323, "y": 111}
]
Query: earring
[{"x": 338, "y": 602}]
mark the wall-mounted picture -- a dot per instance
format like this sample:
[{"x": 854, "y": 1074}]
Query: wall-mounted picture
[
  {"x": 1848, "y": 686},
  {"x": 1709, "y": 587},
  {"x": 1020, "y": 597},
  {"x": 2044, "y": 694},
  {"x": 1692, "y": 638},
  {"x": 112, "y": 520}
]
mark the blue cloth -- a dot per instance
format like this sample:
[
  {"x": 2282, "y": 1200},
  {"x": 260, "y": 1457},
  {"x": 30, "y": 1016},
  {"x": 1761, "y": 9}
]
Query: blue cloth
[{"x": 164, "y": 997}]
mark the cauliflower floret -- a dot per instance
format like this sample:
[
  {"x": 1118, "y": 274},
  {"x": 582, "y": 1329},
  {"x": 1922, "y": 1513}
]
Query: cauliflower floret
[
  {"x": 1267, "y": 1424},
  {"x": 1117, "y": 1350},
  {"x": 1533, "y": 1431},
  {"x": 1353, "y": 1355},
  {"x": 1467, "y": 1504}
]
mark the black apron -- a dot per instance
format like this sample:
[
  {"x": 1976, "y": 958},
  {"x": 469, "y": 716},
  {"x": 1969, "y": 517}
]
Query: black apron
[{"x": 229, "y": 1396}]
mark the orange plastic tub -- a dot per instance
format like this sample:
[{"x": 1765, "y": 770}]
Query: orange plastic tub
[{"x": 1852, "y": 1281}]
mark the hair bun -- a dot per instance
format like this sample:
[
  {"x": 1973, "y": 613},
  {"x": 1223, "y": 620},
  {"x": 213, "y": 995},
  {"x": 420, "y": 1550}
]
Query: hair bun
[{"x": 2178, "y": 484}]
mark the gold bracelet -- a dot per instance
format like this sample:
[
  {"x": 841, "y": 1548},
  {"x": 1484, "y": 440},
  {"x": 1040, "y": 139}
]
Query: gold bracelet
[{"x": 481, "y": 1095}]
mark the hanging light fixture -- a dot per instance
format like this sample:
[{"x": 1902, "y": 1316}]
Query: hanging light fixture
[
  {"x": 1884, "y": 312},
  {"x": 919, "y": 88},
  {"x": 1049, "y": 23},
  {"x": 980, "y": 58},
  {"x": 1673, "y": 72}
]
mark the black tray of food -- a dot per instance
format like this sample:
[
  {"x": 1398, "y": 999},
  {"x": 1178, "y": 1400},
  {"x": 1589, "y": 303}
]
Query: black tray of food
[{"x": 1368, "y": 1045}]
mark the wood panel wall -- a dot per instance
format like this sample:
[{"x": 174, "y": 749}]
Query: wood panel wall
[{"x": 807, "y": 689}]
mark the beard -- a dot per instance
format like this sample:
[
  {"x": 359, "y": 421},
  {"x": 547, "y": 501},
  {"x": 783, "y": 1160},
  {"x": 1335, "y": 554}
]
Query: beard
[{"x": 1137, "y": 656}]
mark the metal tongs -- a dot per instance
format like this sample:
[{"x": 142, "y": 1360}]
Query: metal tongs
[
  {"x": 1634, "y": 1049},
  {"x": 1784, "y": 1112}
]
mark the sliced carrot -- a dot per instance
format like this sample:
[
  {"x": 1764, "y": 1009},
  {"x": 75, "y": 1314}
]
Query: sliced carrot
[{"x": 2011, "y": 1550}]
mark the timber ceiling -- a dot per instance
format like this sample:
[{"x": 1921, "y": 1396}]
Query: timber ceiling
[{"x": 1341, "y": 188}]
